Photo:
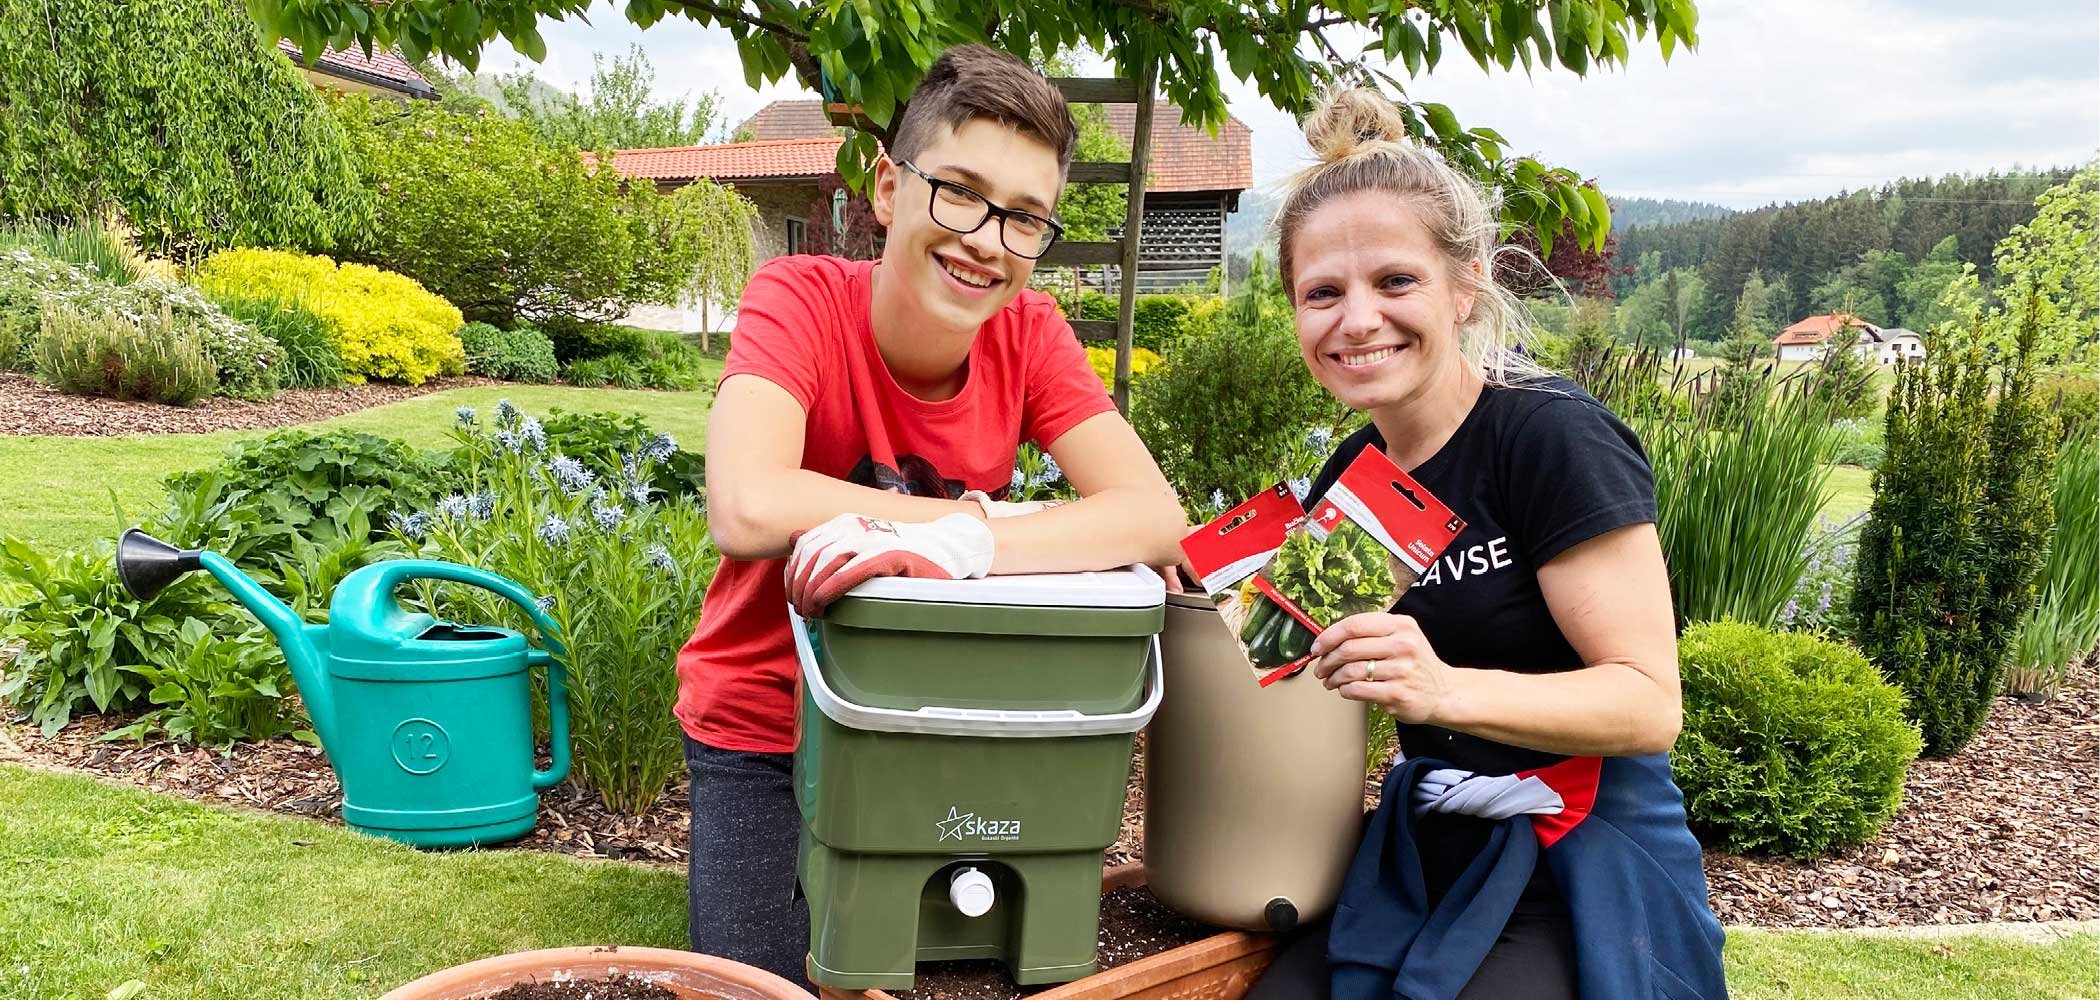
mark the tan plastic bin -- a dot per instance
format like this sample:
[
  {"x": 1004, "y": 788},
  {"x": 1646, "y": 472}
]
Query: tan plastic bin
[{"x": 1253, "y": 796}]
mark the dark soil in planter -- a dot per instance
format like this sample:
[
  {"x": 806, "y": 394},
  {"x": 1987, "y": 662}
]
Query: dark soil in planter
[
  {"x": 620, "y": 987},
  {"x": 1133, "y": 926}
]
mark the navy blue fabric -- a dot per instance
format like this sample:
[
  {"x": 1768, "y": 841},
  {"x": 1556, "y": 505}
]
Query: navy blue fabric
[{"x": 1630, "y": 874}]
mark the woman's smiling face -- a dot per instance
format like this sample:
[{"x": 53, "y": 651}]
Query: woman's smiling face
[{"x": 1377, "y": 307}]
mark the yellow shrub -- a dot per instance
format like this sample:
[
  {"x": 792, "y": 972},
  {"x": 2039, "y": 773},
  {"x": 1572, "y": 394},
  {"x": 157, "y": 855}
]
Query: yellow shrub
[
  {"x": 386, "y": 325},
  {"x": 1104, "y": 361}
]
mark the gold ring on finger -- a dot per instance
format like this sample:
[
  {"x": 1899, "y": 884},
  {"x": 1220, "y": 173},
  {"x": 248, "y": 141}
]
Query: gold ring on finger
[{"x": 1371, "y": 670}]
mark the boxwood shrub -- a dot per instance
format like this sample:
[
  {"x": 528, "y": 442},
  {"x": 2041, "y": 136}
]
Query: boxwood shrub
[{"x": 1792, "y": 744}]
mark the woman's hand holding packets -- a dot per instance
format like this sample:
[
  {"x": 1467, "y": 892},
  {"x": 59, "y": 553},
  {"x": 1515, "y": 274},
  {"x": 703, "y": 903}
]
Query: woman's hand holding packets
[{"x": 1383, "y": 659}]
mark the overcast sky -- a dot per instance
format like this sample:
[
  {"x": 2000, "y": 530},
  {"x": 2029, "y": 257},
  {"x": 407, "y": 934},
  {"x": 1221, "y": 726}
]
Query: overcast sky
[{"x": 1783, "y": 100}]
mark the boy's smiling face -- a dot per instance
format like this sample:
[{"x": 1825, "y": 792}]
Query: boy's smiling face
[{"x": 958, "y": 280}]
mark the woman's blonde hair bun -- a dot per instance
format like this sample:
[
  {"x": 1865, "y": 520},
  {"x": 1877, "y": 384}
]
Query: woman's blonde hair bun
[{"x": 1349, "y": 121}]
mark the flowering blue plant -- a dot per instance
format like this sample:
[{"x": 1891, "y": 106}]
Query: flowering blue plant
[
  {"x": 1037, "y": 476},
  {"x": 622, "y": 567},
  {"x": 1819, "y": 600}
]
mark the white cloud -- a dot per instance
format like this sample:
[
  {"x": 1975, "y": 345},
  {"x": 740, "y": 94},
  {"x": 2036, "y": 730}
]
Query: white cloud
[
  {"x": 1783, "y": 100},
  {"x": 1790, "y": 99}
]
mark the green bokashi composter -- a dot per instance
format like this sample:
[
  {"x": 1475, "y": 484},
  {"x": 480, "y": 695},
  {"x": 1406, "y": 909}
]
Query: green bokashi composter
[{"x": 962, "y": 754}]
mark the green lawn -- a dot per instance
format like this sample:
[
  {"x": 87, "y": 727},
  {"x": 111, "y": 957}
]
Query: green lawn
[
  {"x": 1851, "y": 490},
  {"x": 100, "y": 885},
  {"x": 62, "y": 492}
]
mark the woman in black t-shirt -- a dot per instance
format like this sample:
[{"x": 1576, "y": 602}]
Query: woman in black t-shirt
[{"x": 1545, "y": 631}]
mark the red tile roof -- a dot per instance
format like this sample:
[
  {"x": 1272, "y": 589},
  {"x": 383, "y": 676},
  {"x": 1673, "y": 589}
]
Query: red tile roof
[
  {"x": 774, "y": 159},
  {"x": 1184, "y": 158},
  {"x": 385, "y": 68},
  {"x": 788, "y": 120},
  {"x": 1817, "y": 329}
]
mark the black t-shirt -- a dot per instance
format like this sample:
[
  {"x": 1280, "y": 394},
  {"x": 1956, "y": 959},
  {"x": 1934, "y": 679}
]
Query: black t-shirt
[{"x": 1534, "y": 470}]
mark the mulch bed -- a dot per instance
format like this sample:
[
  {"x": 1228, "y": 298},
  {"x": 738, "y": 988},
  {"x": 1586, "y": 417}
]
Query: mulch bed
[
  {"x": 2002, "y": 832},
  {"x": 28, "y": 406}
]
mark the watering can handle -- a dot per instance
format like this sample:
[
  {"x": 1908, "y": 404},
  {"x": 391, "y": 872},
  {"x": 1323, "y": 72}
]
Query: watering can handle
[{"x": 387, "y": 577}]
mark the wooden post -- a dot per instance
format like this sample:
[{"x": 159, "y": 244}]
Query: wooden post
[{"x": 1133, "y": 226}]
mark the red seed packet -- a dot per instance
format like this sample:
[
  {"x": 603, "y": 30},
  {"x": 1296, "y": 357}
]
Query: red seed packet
[{"x": 1280, "y": 576}]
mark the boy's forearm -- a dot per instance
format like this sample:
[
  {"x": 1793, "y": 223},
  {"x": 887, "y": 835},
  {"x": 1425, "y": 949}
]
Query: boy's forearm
[
  {"x": 761, "y": 521},
  {"x": 1115, "y": 527}
]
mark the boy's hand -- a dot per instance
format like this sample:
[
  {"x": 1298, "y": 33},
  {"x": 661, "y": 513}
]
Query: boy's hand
[{"x": 848, "y": 550}]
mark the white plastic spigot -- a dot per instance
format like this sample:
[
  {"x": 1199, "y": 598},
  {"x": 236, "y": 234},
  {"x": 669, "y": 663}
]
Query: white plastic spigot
[{"x": 971, "y": 892}]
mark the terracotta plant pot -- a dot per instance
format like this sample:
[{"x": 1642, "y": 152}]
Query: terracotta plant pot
[
  {"x": 689, "y": 975},
  {"x": 1219, "y": 967}
]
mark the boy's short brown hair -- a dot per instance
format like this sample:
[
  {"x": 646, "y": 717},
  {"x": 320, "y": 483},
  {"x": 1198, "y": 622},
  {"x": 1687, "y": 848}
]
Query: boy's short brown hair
[{"x": 978, "y": 81}]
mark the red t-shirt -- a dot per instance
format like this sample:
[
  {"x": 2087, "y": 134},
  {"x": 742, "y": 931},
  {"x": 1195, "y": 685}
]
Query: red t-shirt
[{"x": 803, "y": 325}]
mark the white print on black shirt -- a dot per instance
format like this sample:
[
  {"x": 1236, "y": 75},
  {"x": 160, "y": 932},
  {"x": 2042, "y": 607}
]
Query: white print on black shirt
[{"x": 1473, "y": 561}]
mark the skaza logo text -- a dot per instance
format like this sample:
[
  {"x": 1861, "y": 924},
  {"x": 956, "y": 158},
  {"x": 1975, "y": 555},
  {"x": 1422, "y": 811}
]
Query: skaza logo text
[{"x": 961, "y": 825}]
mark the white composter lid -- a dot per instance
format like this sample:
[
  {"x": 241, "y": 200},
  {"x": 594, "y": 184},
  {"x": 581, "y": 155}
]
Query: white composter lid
[{"x": 1129, "y": 587}]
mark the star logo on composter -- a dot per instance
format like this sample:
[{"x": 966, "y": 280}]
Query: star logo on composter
[
  {"x": 960, "y": 825},
  {"x": 952, "y": 827}
]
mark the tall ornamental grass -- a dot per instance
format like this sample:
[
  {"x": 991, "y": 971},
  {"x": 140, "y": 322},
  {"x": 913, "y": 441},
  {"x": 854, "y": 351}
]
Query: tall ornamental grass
[
  {"x": 2065, "y": 623},
  {"x": 621, "y": 568},
  {"x": 1737, "y": 490}
]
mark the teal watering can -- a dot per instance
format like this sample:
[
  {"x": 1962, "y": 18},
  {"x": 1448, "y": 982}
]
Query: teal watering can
[{"x": 427, "y": 723}]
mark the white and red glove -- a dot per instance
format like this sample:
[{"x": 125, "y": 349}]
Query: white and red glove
[
  {"x": 994, "y": 509},
  {"x": 850, "y": 549}
]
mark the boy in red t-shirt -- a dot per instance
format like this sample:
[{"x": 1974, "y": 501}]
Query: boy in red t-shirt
[{"x": 866, "y": 424}]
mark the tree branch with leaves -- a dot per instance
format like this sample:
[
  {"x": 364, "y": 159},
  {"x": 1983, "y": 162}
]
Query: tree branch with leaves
[{"x": 871, "y": 53}]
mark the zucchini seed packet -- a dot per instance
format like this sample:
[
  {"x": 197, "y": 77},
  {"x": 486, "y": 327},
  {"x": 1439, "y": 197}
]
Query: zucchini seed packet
[{"x": 1280, "y": 577}]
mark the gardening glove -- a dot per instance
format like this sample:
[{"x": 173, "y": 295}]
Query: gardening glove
[
  {"x": 850, "y": 549},
  {"x": 1009, "y": 508}
]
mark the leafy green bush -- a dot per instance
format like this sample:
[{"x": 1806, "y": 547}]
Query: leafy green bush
[
  {"x": 575, "y": 340},
  {"x": 633, "y": 359},
  {"x": 1156, "y": 321},
  {"x": 263, "y": 496},
  {"x": 1226, "y": 410},
  {"x": 305, "y": 341},
  {"x": 616, "y": 370},
  {"x": 17, "y": 337},
  {"x": 1736, "y": 498},
  {"x": 79, "y": 629},
  {"x": 1858, "y": 443},
  {"x": 623, "y": 570},
  {"x": 109, "y": 354},
  {"x": 180, "y": 112},
  {"x": 521, "y": 355},
  {"x": 1959, "y": 524},
  {"x": 216, "y": 690},
  {"x": 2065, "y": 623},
  {"x": 507, "y": 227},
  {"x": 1792, "y": 744},
  {"x": 245, "y": 363},
  {"x": 2075, "y": 394},
  {"x": 386, "y": 325}
]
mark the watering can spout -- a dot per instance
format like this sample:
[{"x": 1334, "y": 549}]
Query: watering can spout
[{"x": 146, "y": 566}]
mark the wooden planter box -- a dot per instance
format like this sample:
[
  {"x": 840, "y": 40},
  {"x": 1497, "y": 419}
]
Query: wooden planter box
[{"x": 1219, "y": 967}]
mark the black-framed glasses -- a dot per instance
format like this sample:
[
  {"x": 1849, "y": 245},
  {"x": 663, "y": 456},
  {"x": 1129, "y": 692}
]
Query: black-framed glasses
[{"x": 958, "y": 209}]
